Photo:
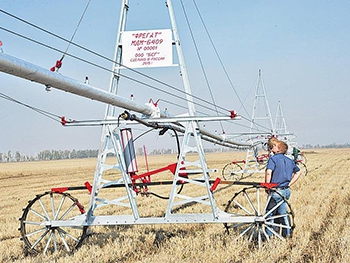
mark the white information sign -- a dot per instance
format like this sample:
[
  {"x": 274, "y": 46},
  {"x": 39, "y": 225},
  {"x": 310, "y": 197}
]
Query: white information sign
[{"x": 149, "y": 48}]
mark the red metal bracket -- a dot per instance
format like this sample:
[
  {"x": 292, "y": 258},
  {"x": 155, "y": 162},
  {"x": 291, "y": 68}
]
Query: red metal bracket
[
  {"x": 215, "y": 184},
  {"x": 88, "y": 187},
  {"x": 268, "y": 185},
  {"x": 59, "y": 189},
  {"x": 58, "y": 65},
  {"x": 63, "y": 120},
  {"x": 233, "y": 114}
]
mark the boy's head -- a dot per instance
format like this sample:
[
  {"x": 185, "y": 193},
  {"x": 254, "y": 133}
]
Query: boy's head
[
  {"x": 283, "y": 146},
  {"x": 271, "y": 142},
  {"x": 277, "y": 146}
]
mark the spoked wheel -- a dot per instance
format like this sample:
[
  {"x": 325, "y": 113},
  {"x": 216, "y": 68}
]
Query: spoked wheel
[
  {"x": 232, "y": 171},
  {"x": 302, "y": 158},
  {"x": 302, "y": 167},
  {"x": 260, "y": 218},
  {"x": 262, "y": 161},
  {"x": 265, "y": 146},
  {"x": 41, "y": 237},
  {"x": 262, "y": 165}
]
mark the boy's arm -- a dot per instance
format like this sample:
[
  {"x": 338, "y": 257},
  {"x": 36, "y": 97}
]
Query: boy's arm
[
  {"x": 268, "y": 174},
  {"x": 295, "y": 178}
]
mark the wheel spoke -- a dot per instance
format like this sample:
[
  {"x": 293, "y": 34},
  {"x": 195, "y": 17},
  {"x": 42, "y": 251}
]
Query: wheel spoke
[
  {"x": 252, "y": 233},
  {"x": 60, "y": 206},
  {"x": 259, "y": 236},
  {"x": 32, "y": 223},
  {"x": 265, "y": 234},
  {"x": 258, "y": 200},
  {"x": 64, "y": 240},
  {"x": 279, "y": 225},
  {"x": 48, "y": 242},
  {"x": 273, "y": 209},
  {"x": 250, "y": 202},
  {"x": 53, "y": 206},
  {"x": 35, "y": 232},
  {"x": 41, "y": 237},
  {"x": 43, "y": 208},
  {"x": 280, "y": 216},
  {"x": 274, "y": 232},
  {"x": 67, "y": 212},
  {"x": 247, "y": 230},
  {"x": 267, "y": 203},
  {"x": 54, "y": 241},
  {"x": 38, "y": 214},
  {"x": 69, "y": 235},
  {"x": 242, "y": 207}
]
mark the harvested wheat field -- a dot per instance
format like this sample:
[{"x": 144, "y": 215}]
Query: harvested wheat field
[{"x": 320, "y": 201}]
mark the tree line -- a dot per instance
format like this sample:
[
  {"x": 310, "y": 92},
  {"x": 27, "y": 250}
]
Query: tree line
[
  {"x": 47, "y": 155},
  {"x": 79, "y": 154}
]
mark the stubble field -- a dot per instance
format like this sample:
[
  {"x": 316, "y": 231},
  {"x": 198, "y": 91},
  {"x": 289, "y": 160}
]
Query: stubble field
[{"x": 320, "y": 200}]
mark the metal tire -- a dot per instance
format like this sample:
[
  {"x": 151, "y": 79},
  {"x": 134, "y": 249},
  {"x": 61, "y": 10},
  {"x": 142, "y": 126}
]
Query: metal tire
[
  {"x": 302, "y": 157},
  {"x": 39, "y": 237},
  {"x": 232, "y": 171},
  {"x": 303, "y": 168},
  {"x": 252, "y": 202}
]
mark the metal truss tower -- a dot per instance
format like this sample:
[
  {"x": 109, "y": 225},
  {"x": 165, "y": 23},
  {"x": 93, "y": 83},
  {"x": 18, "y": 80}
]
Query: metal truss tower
[{"x": 261, "y": 122}]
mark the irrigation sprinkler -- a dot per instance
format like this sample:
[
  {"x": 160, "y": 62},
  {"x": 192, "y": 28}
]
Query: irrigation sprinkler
[{"x": 55, "y": 221}]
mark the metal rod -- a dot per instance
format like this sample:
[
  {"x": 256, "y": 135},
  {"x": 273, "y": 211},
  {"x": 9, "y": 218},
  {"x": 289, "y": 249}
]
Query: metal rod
[
  {"x": 75, "y": 188},
  {"x": 29, "y": 71}
]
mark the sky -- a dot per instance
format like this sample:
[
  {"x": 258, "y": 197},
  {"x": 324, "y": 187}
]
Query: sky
[{"x": 301, "y": 47}]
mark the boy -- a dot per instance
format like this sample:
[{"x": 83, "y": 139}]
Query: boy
[{"x": 284, "y": 172}]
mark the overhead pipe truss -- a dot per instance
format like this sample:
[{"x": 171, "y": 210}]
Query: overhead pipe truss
[{"x": 49, "y": 79}]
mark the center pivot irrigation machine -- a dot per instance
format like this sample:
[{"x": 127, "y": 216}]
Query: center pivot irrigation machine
[
  {"x": 56, "y": 221},
  {"x": 255, "y": 162}
]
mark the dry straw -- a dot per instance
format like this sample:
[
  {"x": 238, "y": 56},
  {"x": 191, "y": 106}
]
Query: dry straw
[{"x": 321, "y": 202}]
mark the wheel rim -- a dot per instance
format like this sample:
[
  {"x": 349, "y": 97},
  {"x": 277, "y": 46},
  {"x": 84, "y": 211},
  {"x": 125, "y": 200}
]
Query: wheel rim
[
  {"x": 253, "y": 202},
  {"x": 43, "y": 238},
  {"x": 302, "y": 167}
]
